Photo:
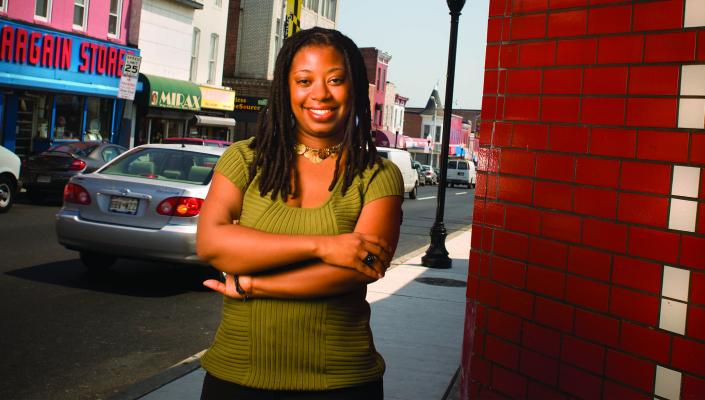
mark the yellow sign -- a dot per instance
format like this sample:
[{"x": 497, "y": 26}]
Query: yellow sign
[
  {"x": 293, "y": 15},
  {"x": 217, "y": 99}
]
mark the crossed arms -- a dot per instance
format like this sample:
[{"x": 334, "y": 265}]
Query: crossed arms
[{"x": 322, "y": 265}]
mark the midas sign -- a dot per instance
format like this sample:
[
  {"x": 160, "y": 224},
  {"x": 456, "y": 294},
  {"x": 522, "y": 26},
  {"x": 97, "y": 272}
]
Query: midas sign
[{"x": 176, "y": 100}]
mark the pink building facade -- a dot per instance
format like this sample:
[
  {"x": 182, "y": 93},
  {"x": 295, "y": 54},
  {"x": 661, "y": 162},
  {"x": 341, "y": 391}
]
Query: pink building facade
[{"x": 61, "y": 17}]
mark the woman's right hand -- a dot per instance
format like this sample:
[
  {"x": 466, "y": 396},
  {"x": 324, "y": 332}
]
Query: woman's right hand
[{"x": 349, "y": 250}]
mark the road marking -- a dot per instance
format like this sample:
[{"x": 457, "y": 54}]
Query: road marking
[
  {"x": 461, "y": 193},
  {"x": 426, "y": 198}
]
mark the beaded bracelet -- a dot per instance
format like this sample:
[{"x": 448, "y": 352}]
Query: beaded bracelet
[{"x": 239, "y": 288}]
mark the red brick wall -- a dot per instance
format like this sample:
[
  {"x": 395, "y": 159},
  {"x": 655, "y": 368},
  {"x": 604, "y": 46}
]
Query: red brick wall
[{"x": 587, "y": 264}]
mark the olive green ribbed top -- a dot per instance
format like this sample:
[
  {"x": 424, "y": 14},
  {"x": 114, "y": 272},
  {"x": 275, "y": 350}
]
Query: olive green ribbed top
[{"x": 313, "y": 344}]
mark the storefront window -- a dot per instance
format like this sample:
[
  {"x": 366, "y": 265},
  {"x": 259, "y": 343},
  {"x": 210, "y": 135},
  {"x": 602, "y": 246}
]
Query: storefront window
[
  {"x": 99, "y": 111},
  {"x": 45, "y": 102},
  {"x": 69, "y": 116},
  {"x": 153, "y": 130}
]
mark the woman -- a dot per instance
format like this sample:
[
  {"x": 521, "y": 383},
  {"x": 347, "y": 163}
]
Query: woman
[{"x": 301, "y": 218}]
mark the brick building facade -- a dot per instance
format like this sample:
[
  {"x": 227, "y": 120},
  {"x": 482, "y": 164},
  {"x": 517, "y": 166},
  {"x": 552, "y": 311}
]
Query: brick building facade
[{"x": 587, "y": 265}]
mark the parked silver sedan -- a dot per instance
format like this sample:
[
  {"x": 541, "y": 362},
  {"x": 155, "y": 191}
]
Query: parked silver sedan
[{"x": 143, "y": 204}]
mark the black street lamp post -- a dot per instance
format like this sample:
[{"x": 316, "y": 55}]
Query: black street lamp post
[{"x": 437, "y": 255}]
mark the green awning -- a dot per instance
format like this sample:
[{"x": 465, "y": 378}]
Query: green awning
[{"x": 172, "y": 93}]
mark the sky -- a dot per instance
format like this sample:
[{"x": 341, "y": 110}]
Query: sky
[{"x": 416, "y": 33}]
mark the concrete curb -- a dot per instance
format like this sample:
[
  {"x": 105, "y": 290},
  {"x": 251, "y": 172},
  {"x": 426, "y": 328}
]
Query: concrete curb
[{"x": 159, "y": 380}]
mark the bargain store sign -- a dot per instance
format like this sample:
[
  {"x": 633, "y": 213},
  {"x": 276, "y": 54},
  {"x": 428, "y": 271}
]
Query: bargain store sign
[{"x": 44, "y": 58}]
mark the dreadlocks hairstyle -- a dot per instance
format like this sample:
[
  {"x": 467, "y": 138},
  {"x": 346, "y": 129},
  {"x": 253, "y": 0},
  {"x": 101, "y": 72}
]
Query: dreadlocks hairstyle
[{"x": 274, "y": 142}]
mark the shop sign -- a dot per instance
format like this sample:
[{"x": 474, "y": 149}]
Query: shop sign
[
  {"x": 175, "y": 100},
  {"x": 217, "y": 99},
  {"x": 35, "y": 52},
  {"x": 249, "y": 103}
]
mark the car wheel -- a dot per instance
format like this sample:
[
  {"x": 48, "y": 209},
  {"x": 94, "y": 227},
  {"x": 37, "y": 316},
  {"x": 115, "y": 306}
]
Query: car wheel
[
  {"x": 414, "y": 192},
  {"x": 7, "y": 194},
  {"x": 96, "y": 262},
  {"x": 472, "y": 184}
]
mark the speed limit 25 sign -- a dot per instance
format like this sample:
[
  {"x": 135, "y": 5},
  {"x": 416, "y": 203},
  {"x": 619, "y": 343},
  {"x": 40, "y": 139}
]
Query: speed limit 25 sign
[{"x": 132, "y": 65}]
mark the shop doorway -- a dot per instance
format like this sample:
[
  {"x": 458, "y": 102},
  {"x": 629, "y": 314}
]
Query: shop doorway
[
  {"x": 33, "y": 120},
  {"x": 26, "y": 124}
]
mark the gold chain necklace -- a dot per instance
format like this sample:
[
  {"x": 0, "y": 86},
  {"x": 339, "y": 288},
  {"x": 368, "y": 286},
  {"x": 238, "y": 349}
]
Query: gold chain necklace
[{"x": 316, "y": 155}]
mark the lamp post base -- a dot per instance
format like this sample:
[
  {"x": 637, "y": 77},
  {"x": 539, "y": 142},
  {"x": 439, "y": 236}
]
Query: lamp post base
[{"x": 437, "y": 255}]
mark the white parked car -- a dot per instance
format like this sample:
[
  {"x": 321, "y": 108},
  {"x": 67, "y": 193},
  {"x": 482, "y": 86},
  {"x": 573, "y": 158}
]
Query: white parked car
[
  {"x": 9, "y": 178},
  {"x": 402, "y": 159}
]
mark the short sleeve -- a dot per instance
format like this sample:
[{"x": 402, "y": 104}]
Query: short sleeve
[
  {"x": 235, "y": 163},
  {"x": 385, "y": 180}
]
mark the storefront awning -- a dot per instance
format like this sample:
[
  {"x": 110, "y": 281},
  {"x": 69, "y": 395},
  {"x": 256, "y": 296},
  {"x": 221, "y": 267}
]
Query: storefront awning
[
  {"x": 388, "y": 139},
  {"x": 207, "y": 120},
  {"x": 172, "y": 93}
]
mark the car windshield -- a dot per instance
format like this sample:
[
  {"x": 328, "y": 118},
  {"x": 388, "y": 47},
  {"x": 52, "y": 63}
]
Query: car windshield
[
  {"x": 425, "y": 167},
  {"x": 78, "y": 148},
  {"x": 166, "y": 165}
]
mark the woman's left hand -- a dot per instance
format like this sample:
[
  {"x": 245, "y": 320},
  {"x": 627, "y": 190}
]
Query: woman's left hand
[{"x": 227, "y": 288}]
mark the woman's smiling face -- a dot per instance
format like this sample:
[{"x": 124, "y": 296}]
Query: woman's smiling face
[{"x": 319, "y": 89}]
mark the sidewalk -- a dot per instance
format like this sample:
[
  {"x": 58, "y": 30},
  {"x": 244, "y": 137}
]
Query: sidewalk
[{"x": 417, "y": 322}]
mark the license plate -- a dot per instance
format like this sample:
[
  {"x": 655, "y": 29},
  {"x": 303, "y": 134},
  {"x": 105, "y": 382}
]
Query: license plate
[
  {"x": 123, "y": 205},
  {"x": 43, "y": 178}
]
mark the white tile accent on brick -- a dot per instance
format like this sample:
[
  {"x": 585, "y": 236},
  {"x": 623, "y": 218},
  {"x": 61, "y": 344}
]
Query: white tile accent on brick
[
  {"x": 691, "y": 113},
  {"x": 668, "y": 383},
  {"x": 675, "y": 283},
  {"x": 694, "y": 13},
  {"x": 686, "y": 181},
  {"x": 693, "y": 80},
  {"x": 673, "y": 315},
  {"x": 683, "y": 214}
]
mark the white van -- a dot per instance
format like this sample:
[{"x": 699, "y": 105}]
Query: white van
[
  {"x": 461, "y": 172},
  {"x": 402, "y": 159}
]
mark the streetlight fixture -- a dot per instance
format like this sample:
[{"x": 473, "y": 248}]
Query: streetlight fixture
[{"x": 437, "y": 255}]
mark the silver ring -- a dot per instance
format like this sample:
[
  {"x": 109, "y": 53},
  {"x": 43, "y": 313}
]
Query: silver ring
[{"x": 369, "y": 259}]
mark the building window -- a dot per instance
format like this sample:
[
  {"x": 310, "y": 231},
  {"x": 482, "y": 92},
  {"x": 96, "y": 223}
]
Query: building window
[
  {"x": 42, "y": 9},
  {"x": 114, "y": 17},
  {"x": 328, "y": 9},
  {"x": 212, "y": 59},
  {"x": 195, "y": 41},
  {"x": 277, "y": 36},
  {"x": 80, "y": 13},
  {"x": 311, "y": 5},
  {"x": 426, "y": 130},
  {"x": 218, "y": 3},
  {"x": 3, "y": 5}
]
